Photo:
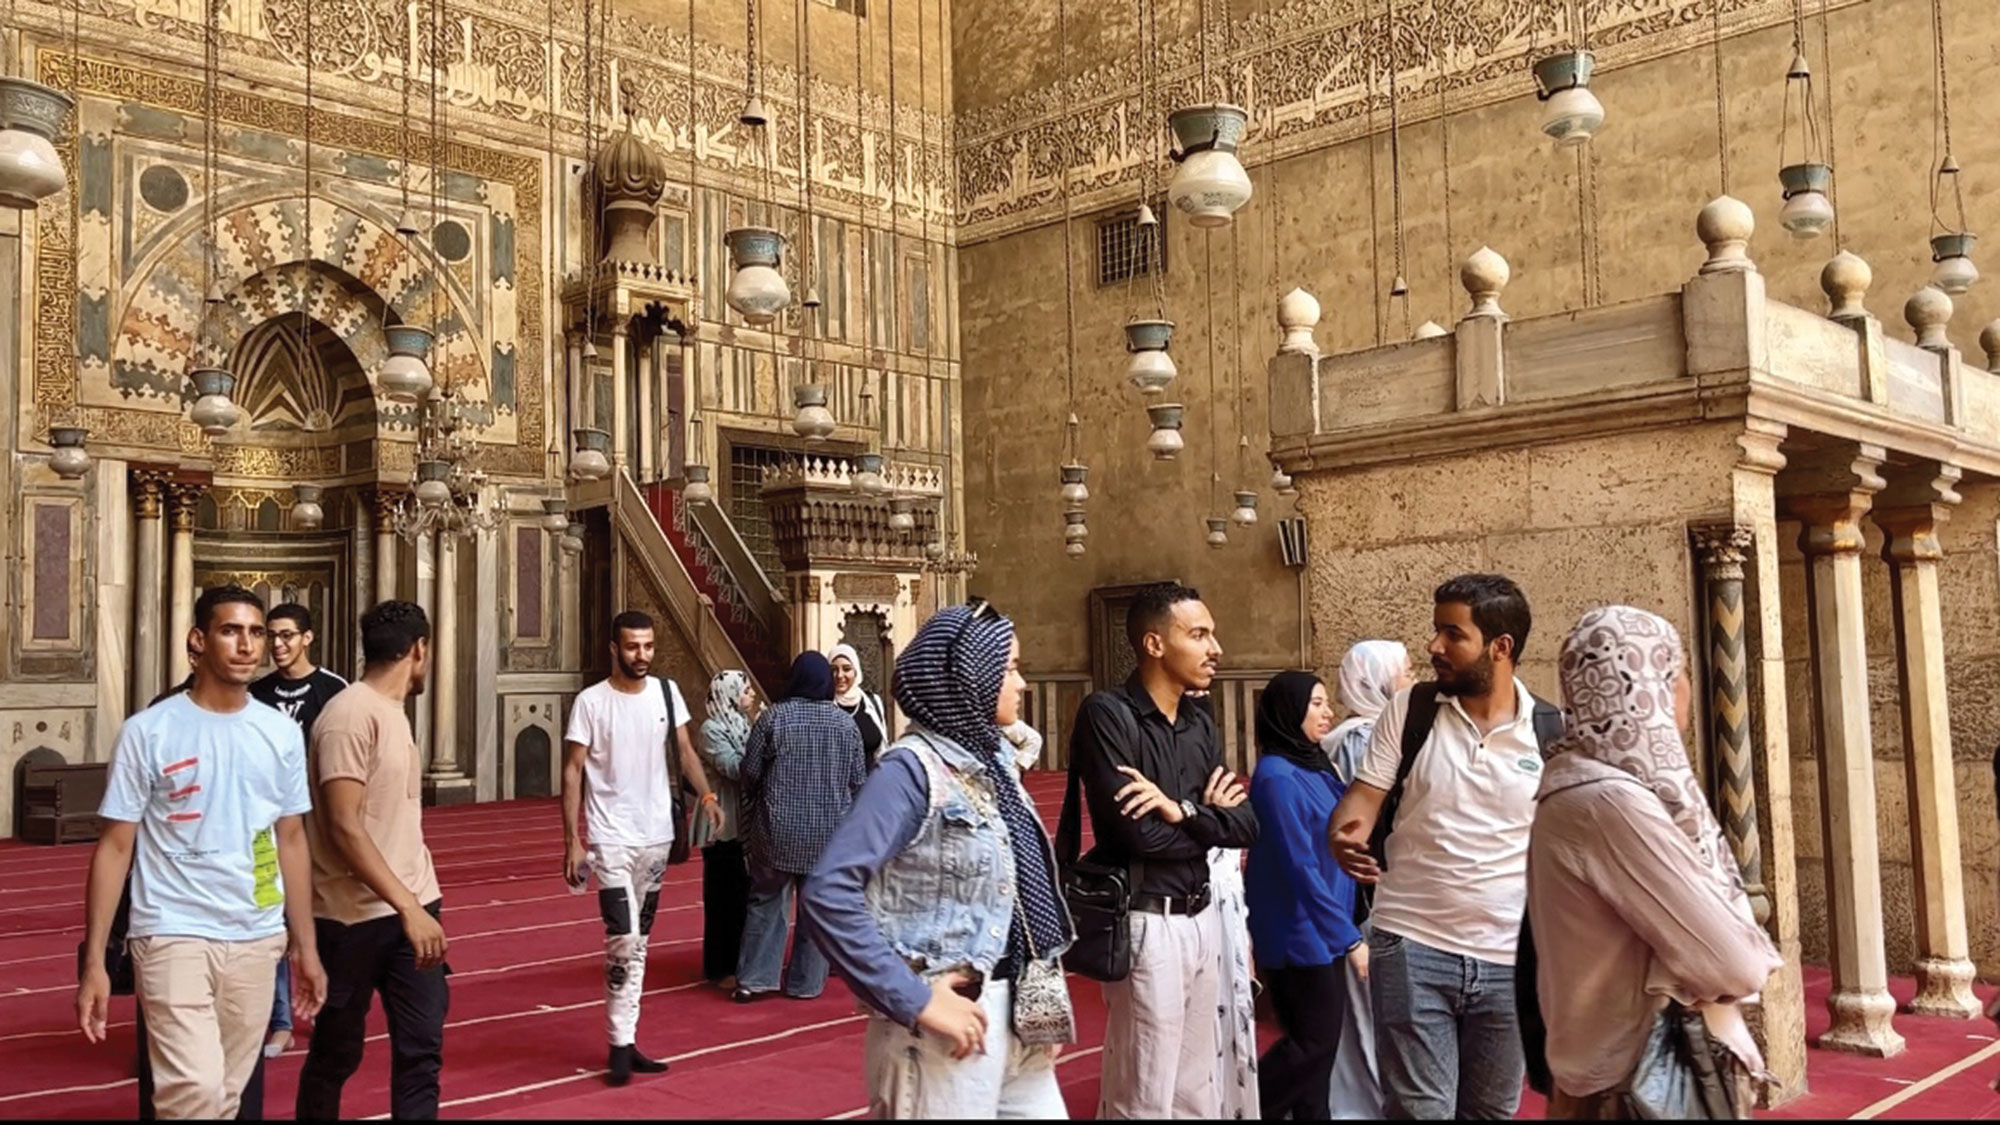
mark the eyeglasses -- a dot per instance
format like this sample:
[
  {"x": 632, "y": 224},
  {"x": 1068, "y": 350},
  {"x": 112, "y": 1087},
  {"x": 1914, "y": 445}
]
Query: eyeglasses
[{"x": 286, "y": 637}]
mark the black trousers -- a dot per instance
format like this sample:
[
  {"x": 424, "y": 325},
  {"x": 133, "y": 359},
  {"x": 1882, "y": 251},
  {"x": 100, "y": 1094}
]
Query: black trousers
[
  {"x": 1293, "y": 1076},
  {"x": 251, "y": 1108},
  {"x": 361, "y": 960},
  {"x": 725, "y": 896}
]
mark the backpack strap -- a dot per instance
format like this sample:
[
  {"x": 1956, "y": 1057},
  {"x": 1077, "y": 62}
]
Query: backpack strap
[
  {"x": 1418, "y": 720},
  {"x": 1549, "y": 725}
]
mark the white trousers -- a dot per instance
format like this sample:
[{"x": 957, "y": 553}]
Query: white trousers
[
  {"x": 628, "y": 891},
  {"x": 912, "y": 1076},
  {"x": 1160, "y": 1031}
]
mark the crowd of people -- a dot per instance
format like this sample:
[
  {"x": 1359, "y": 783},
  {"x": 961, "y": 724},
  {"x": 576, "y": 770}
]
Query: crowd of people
[{"x": 1384, "y": 879}]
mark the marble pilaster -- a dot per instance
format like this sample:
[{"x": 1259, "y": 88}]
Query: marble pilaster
[
  {"x": 621, "y": 365},
  {"x": 1828, "y": 493},
  {"x": 183, "y": 498},
  {"x": 113, "y": 619},
  {"x": 425, "y": 553},
  {"x": 486, "y": 701},
  {"x": 649, "y": 425},
  {"x": 149, "y": 581},
  {"x": 382, "y": 502},
  {"x": 1908, "y": 512},
  {"x": 445, "y": 783}
]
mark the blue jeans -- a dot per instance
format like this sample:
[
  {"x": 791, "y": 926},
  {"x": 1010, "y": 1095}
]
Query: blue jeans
[
  {"x": 281, "y": 1000},
  {"x": 771, "y": 895},
  {"x": 1446, "y": 1038}
]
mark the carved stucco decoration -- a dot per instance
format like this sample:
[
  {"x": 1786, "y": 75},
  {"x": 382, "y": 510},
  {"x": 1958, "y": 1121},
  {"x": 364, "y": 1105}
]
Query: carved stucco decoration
[
  {"x": 261, "y": 236},
  {"x": 495, "y": 63},
  {"x": 1312, "y": 72},
  {"x": 814, "y": 528},
  {"x": 877, "y": 589}
]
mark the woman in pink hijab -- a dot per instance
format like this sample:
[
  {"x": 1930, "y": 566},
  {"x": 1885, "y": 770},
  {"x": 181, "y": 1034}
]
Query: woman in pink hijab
[{"x": 1632, "y": 889}]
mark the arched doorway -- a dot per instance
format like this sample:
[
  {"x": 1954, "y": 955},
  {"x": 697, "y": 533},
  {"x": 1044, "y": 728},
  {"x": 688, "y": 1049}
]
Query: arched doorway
[{"x": 309, "y": 411}]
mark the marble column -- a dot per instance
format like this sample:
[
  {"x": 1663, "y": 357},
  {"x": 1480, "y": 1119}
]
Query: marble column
[
  {"x": 383, "y": 502},
  {"x": 649, "y": 425},
  {"x": 1828, "y": 492},
  {"x": 363, "y": 547},
  {"x": 1722, "y": 549},
  {"x": 183, "y": 499},
  {"x": 149, "y": 581},
  {"x": 1908, "y": 512},
  {"x": 445, "y": 783},
  {"x": 424, "y": 557},
  {"x": 573, "y": 377},
  {"x": 569, "y": 605},
  {"x": 621, "y": 360}
]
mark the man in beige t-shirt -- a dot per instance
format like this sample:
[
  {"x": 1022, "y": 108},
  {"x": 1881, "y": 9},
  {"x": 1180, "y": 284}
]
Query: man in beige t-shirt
[{"x": 376, "y": 902}]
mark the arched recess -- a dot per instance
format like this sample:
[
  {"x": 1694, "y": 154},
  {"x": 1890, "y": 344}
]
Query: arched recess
[{"x": 355, "y": 276}]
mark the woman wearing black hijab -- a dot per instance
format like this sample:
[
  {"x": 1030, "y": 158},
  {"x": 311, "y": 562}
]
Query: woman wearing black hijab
[
  {"x": 802, "y": 767},
  {"x": 1301, "y": 903}
]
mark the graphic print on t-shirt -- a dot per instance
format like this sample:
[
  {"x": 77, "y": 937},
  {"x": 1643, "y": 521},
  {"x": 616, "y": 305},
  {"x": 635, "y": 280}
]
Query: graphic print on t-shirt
[
  {"x": 264, "y": 858},
  {"x": 300, "y": 700}
]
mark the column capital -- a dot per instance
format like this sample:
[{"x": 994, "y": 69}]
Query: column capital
[
  {"x": 1917, "y": 500},
  {"x": 183, "y": 501},
  {"x": 1760, "y": 441},
  {"x": 1828, "y": 490},
  {"x": 1723, "y": 548},
  {"x": 149, "y": 489},
  {"x": 382, "y": 501}
]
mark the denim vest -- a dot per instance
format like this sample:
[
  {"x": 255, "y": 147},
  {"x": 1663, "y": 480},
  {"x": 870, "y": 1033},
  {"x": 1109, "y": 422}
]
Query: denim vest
[{"x": 947, "y": 899}]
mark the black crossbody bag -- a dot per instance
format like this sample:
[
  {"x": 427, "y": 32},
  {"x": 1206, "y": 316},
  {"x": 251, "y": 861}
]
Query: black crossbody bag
[{"x": 1099, "y": 895}]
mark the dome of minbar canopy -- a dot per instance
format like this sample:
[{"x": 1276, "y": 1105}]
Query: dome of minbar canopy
[{"x": 630, "y": 170}]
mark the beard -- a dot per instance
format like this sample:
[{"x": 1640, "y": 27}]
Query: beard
[
  {"x": 634, "y": 670},
  {"x": 1470, "y": 681}
]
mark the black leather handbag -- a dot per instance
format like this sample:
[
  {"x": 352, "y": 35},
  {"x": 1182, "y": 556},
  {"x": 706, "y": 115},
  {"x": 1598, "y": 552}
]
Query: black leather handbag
[
  {"x": 1099, "y": 898},
  {"x": 1683, "y": 1074}
]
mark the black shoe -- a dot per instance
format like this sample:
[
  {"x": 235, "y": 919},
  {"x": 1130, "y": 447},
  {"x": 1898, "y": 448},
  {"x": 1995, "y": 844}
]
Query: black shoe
[
  {"x": 621, "y": 1066},
  {"x": 643, "y": 1065},
  {"x": 742, "y": 996}
]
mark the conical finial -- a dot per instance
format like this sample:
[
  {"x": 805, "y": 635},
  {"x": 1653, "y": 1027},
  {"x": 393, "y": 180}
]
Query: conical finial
[{"x": 1298, "y": 315}]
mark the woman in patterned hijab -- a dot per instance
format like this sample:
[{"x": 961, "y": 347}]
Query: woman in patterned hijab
[
  {"x": 725, "y": 879},
  {"x": 1632, "y": 888}
]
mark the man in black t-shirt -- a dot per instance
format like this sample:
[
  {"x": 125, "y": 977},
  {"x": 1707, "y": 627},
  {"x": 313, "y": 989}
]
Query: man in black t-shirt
[
  {"x": 295, "y": 686},
  {"x": 301, "y": 691}
]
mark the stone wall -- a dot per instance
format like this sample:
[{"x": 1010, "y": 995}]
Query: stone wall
[{"x": 1322, "y": 219}]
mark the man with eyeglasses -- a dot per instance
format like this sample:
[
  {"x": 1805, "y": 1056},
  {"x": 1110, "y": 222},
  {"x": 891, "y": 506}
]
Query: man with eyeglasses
[
  {"x": 299, "y": 690},
  {"x": 295, "y": 686}
]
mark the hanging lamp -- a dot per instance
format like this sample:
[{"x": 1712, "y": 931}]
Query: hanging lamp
[
  {"x": 405, "y": 375},
  {"x": 1151, "y": 369},
  {"x": 1282, "y": 483},
  {"x": 811, "y": 419},
  {"x": 590, "y": 457},
  {"x": 1218, "y": 532},
  {"x": 31, "y": 118},
  {"x": 867, "y": 478},
  {"x": 1209, "y": 183},
  {"x": 901, "y": 517},
  {"x": 1245, "y": 514},
  {"x": 555, "y": 513},
  {"x": 1808, "y": 181},
  {"x": 1572, "y": 114},
  {"x": 1952, "y": 248},
  {"x": 1076, "y": 529},
  {"x": 307, "y": 514},
  {"x": 213, "y": 411},
  {"x": 71, "y": 460},
  {"x": 697, "y": 488},
  {"x": 1165, "y": 444}
]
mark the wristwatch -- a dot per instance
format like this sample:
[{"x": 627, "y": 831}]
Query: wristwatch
[{"x": 1188, "y": 809}]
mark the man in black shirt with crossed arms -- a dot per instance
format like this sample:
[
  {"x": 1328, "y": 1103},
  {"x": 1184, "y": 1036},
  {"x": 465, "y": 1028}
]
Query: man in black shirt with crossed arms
[{"x": 1159, "y": 799}]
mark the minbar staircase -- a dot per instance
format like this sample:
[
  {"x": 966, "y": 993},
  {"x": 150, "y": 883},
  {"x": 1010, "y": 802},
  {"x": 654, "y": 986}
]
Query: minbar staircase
[{"x": 760, "y": 637}]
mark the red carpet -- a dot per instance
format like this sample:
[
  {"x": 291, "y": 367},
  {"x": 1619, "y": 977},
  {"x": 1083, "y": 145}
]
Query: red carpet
[{"x": 526, "y": 1035}]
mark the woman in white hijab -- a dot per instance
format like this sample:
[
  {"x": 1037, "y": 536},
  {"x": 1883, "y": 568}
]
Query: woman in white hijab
[
  {"x": 864, "y": 705},
  {"x": 1371, "y": 674},
  {"x": 1632, "y": 888}
]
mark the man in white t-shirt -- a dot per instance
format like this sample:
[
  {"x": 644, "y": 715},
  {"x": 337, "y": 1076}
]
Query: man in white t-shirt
[
  {"x": 203, "y": 808},
  {"x": 616, "y": 774},
  {"x": 1452, "y": 881}
]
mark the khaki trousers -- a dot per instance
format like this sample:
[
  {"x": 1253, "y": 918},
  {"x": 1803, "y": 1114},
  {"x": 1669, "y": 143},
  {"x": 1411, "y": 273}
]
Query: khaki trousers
[
  {"x": 207, "y": 1005},
  {"x": 1161, "y": 1034}
]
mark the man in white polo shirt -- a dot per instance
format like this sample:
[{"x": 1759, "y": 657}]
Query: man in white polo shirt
[{"x": 1450, "y": 776}]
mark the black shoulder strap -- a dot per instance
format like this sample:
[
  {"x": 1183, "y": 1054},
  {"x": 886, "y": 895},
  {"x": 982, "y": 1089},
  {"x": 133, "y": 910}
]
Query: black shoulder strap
[
  {"x": 1069, "y": 827},
  {"x": 674, "y": 778},
  {"x": 1417, "y": 724},
  {"x": 1548, "y": 724}
]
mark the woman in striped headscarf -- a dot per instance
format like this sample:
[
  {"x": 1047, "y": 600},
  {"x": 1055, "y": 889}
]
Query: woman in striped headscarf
[{"x": 936, "y": 898}]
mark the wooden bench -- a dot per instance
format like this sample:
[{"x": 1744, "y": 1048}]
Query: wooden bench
[{"x": 59, "y": 802}]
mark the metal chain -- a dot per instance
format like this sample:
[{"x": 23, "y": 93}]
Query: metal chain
[
  {"x": 1826, "y": 71},
  {"x": 1154, "y": 243},
  {"x": 802, "y": 57},
  {"x": 305, "y": 320},
  {"x": 1948, "y": 166},
  {"x": 923, "y": 178},
  {"x": 1069, "y": 258},
  {"x": 1721, "y": 107},
  {"x": 1208, "y": 293},
  {"x": 1374, "y": 220},
  {"x": 1444, "y": 157},
  {"x": 1396, "y": 163},
  {"x": 211, "y": 82}
]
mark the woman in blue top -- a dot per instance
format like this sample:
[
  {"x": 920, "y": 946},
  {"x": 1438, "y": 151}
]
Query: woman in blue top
[{"x": 1301, "y": 903}]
